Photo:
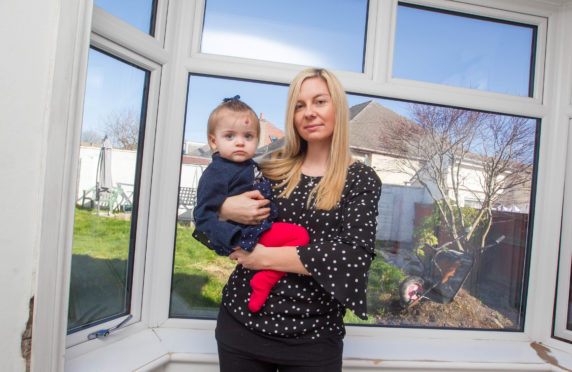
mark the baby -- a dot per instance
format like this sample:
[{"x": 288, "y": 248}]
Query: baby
[{"x": 233, "y": 131}]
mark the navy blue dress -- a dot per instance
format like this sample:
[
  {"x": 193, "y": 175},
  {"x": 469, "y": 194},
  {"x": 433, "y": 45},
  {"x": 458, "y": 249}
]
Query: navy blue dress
[{"x": 221, "y": 179}]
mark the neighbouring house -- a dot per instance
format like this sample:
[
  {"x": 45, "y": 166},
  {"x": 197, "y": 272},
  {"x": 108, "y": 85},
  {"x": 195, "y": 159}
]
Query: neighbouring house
[
  {"x": 269, "y": 133},
  {"x": 369, "y": 124},
  {"x": 371, "y": 140}
]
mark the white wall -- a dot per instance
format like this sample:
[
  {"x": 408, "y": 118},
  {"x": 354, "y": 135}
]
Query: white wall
[
  {"x": 190, "y": 174},
  {"x": 123, "y": 164},
  {"x": 397, "y": 211},
  {"x": 123, "y": 169},
  {"x": 27, "y": 34}
]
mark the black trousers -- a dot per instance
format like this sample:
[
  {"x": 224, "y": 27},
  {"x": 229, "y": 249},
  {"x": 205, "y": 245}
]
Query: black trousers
[
  {"x": 232, "y": 361},
  {"x": 241, "y": 349}
]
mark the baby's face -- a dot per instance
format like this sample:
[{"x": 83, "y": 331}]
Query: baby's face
[{"x": 235, "y": 137}]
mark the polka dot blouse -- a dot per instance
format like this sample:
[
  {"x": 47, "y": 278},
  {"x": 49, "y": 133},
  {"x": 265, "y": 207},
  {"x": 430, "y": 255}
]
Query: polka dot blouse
[{"x": 338, "y": 258}]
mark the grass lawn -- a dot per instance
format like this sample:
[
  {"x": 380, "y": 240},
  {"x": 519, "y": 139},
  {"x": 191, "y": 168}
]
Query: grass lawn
[
  {"x": 100, "y": 236},
  {"x": 99, "y": 274},
  {"x": 99, "y": 268},
  {"x": 199, "y": 275}
]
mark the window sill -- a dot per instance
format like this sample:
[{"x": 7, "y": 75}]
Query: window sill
[{"x": 168, "y": 349}]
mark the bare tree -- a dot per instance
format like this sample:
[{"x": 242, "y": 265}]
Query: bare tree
[
  {"x": 506, "y": 161},
  {"x": 432, "y": 149},
  {"x": 91, "y": 136},
  {"x": 439, "y": 145},
  {"x": 122, "y": 127}
]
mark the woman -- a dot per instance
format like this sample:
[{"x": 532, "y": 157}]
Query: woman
[{"x": 316, "y": 185}]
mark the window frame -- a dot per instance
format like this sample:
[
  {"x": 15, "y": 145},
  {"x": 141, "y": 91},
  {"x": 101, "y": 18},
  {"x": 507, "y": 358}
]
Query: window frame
[
  {"x": 361, "y": 342},
  {"x": 563, "y": 261},
  {"x": 488, "y": 98},
  {"x": 260, "y": 70},
  {"x": 563, "y": 298},
  {"x": 138, "y": 259},
  {"x": 199, "y": 24},
  {"x": 488, "y": 14}
]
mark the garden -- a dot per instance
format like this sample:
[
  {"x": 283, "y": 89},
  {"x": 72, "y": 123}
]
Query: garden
[{"x": 101, "y": 273}]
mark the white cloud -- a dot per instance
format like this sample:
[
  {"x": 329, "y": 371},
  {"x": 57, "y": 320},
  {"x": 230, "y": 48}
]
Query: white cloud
[{"x": 257, "y": 47}]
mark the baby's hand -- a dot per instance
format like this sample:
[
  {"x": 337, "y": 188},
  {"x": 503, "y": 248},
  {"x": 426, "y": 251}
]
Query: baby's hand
[
  {"x": 238, "y": 253},
  {"x": 250, "y": 260},
  {"x": 248, "y": 208}
]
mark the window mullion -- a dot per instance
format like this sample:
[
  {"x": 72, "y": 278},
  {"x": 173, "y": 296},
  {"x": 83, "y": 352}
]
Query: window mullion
[
  {"x": 380, "y": 34},
  {"x": 164, "y": 183}
]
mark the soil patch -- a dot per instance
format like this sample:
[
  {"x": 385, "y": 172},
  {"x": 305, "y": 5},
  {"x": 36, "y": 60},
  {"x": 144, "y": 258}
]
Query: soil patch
[
  {"x": 490, "y": 311},
  {"x": 465, "y": 311}
]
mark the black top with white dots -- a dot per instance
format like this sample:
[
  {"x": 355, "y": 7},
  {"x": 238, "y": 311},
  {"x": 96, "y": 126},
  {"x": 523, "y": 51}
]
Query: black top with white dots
[{"x": 341, "y": 248}]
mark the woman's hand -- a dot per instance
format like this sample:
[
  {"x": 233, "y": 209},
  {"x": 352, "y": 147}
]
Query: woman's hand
[
  {"x": 270, "y": 258},
  {"x": 250, "y": 260},
  {"x": 248, "y": 208}
]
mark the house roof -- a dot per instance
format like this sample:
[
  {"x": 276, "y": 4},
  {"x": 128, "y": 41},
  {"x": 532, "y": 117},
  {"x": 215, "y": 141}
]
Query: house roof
[
  {"x": 354, "y": 110},
  {"x": 271, "y": 139},
  {"x": 199, "y": 150},
  {"x": 196, "y": 160},
  {"x": 269, "y": 132},
  {"x": 371, "y": 125}
]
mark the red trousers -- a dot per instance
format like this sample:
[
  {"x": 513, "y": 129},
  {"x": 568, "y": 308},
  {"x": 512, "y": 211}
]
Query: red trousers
[{"x": 279, "y": 235}]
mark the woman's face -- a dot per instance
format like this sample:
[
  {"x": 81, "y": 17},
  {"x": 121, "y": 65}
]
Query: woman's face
[{"x": 314, "y": 112}]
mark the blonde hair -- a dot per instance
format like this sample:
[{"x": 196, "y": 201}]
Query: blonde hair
[
  {"x": 285, "y": 164},
  {"x": 234, "y": 105}
]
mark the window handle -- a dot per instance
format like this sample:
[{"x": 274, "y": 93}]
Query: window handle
[{"x": 106, "y": 332}]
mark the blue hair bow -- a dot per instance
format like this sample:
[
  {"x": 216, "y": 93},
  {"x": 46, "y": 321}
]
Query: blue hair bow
[{"x": 237, "y": 97}]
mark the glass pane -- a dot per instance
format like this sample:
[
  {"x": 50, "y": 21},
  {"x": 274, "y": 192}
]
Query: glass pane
[
  {"x": 138, "y": 13},
  {"x": 199, "y": 274},
  {"x": 432, "y": 192},
  {"x": 463, "y": 51},
  {"x": 311, "y": 33},
  {"x": 454, "y": 214},
  {"x": 107, "y": 191}
]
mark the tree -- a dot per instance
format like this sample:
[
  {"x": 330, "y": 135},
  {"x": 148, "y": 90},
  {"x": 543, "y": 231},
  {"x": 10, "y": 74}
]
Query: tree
[
  {"x": 507, "y": 156},
  {"x": 122, "y": 127},
  {"x": 438, "y": 148},
  {"x": 91, "y": 136}
]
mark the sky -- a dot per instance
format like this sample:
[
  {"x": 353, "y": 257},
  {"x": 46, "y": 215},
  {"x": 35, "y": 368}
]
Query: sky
[
  {"x": 205, "y": 93},
  {"x": 478, "y": 54},
  {"x": 112, "y": 87},
  {"x": 302, "y": 32}
]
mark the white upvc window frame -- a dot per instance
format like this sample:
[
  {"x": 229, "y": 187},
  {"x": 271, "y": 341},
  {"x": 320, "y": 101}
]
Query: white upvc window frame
[
  {"x": 565, "y": 261},
  {"x": 563, "y": 107},
  {"x": 154, "y": 71},
  {"x": 153, "y": 339},
  {"x": 540, "y": 22}
]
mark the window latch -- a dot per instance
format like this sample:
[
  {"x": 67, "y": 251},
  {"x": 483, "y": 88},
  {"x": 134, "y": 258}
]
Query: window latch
[{"x": 106, "y": 332}]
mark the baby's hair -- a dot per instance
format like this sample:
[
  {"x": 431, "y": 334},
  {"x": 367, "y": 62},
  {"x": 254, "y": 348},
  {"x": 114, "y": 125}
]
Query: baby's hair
[{"x": 233, "y": 104}]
